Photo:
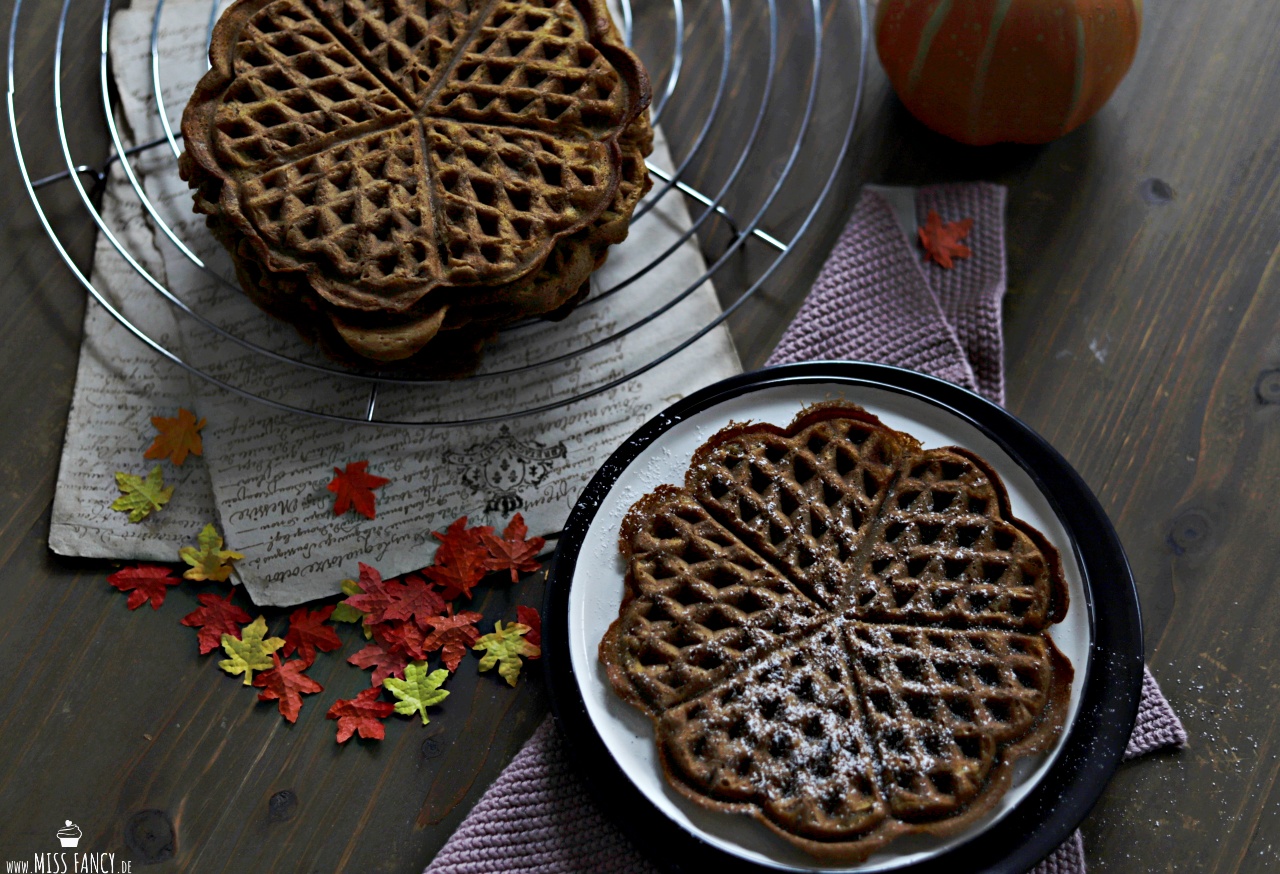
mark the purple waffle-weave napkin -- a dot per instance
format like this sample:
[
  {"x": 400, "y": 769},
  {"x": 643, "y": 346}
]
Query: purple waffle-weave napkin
[{"x": 875, "y": 300}]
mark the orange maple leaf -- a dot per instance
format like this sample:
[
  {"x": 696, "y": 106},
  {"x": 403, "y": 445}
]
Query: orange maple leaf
[
  {"x": 354, "y": 488},
  {"x": 941, "y": 240},
  {"x": 176, "y": 437}
]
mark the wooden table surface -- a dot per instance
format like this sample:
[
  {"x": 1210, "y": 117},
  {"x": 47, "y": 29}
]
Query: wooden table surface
[{"x": 1142, "y": 339}]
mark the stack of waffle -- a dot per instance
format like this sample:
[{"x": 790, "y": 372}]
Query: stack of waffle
[
  {"x": 400, "y": 178},
  {"x": 840, "y": 633}
]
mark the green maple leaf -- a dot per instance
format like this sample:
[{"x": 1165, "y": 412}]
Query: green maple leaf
[
  {"x": 251, "y": 652},
  {"x": 141, "y": 497},
  {"x": 210, "y": 561},
  {"x": 418, "y": 690},
  {"x": 347, "y": 613},
  {"x": 503, "y": 647}
]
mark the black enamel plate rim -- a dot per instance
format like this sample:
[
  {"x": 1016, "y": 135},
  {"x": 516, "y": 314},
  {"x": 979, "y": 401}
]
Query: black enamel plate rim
[{"x": 1093, "y": 747}]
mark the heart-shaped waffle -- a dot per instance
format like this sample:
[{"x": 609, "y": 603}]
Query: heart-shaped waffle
[
  {"x": 839, "y": 632},
  {"x": 386, "y": 170}
]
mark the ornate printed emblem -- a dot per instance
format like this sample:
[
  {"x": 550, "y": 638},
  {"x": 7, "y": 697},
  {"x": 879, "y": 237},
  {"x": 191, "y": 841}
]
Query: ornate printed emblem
[{"x": 504, "y": 467}]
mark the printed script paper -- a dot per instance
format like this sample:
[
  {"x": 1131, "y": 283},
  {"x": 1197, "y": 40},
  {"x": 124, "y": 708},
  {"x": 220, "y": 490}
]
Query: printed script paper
[{"x": 269, "y": 468}]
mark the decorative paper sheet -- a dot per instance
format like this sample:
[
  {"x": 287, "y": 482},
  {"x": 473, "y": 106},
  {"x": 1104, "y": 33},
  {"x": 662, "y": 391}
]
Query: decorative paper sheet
[{"x": 268, "y": 468}]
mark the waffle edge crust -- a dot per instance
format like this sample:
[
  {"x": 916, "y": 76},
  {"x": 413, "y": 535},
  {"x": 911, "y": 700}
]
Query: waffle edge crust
[
  {"x": 839, "y": 633},
  {"x": 400, "y": 179}
]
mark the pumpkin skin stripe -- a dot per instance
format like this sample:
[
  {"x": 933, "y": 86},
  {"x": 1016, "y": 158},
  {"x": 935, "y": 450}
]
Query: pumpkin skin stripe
[
  {"x": 985, "y": 71},
  {"x": 926, "y": 40},
  {"x": 984, "y": 63}
]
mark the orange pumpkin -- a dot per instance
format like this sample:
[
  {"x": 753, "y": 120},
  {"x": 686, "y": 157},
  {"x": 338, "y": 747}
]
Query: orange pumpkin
[{"x": 1024, "y": 71}]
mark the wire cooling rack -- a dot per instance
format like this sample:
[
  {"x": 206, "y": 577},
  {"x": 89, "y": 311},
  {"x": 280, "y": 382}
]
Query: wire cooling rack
[{"x": 738, "y": 86}]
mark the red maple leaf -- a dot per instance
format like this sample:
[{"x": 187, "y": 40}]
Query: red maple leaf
[
  {"x": 402, "y": 636},
  {"x": 529, "y": 616},
  {"x": 413, "y": 599},
  {"x": 511, "y": 551},
  {"x": 453, "y": 636},
  {"x": 308, "y": 633},
  {"x": 942, "y": 241},
  {"x": 385, "y": 662},
  {"x": 459, "y": 572},
  {"x": 459, "y": 538},
  {"x": 375, "y": 598},
  {"x": 354, "y": 488},
  {"x": 217, "y": 616},
  {"x": 287, "y": 683},
  {"x": 363, "y": 713},
  {"x": 147, "y": 582}
]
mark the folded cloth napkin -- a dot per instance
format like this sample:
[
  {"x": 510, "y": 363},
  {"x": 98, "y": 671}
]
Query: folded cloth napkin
[{"x": 875, "y": 300}]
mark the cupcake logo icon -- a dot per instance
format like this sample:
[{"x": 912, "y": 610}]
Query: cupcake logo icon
[{"x": 70, "y": 836}]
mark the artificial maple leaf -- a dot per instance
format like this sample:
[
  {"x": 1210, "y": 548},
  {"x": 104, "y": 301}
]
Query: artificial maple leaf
[
  {"x": 401, "y": 636},
  {"x": 144, "y": 582},
  {"x": 252, "y": 652},
  {"x": 385, "y": 663},
  {"x": 210, "y": 561},
  {"x": 286, "y": 683},
  {"x": 215, "y": 618},
  {"x": 373, "y": 598},
  {"x": 463, "y": 570},
  {"x": 354, "y": 488},
  {"x": 941, "y": 241},
  {"x": 344, "y": 612},
  {"x": 141, "y": 497},
  {"x": 308, "y": 633},
  {"x": 459, "y": 538},
  {"x": 529, "y": 616},
  {"x": 413, "y": 598},
  {"x": 453, "y": 636},
  {"x": 418, "y": 690},
  {"x": 503, "y": 647},
  {"x": 176, "y": 437},
  {"x": 511, "y": 551},
  {"x": 362, "y": 714}
]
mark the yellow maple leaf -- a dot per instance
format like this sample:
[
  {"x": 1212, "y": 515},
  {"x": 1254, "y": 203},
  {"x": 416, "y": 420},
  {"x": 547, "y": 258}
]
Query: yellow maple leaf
[
  {"x": 141, "y": 497},
  {"x": 251, "y": 652},
  {"x": 176, "y": 437},
  {"x": 210, "y": 561},
  {"x": 503, "y": 647}
]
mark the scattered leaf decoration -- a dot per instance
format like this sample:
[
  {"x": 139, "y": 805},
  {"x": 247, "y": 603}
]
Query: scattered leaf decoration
[
  {"x": 144, "y": 582},
  {"x": 344, "y": 612},
  {"x": 453, "y": 636},
  {"x": 461, "y": 574},
  {"x": 373, "y": 599},
  {"x": 354, "y": 488},
  {"x": 216, "y": 617},
  {"x": 401, "y": 637},
  {"x": 141, "y": 497},
  {"x": 529, "y": 616},
  {"x": 941, "y": 240},
  {"x": 503, "y": 647},
  {"x": 385, "y": 662},
  {"x": 176, "y": 437},
  {"x": 210, "y": 561},
  {"x": 308, "y": 633},
  {"x": 286, "y": 683},
  {"x": 418, "y": 690},
  {"x": 413, "y": 599},
  {"x": 458, "y": 538},
  {"x": 363, "y": 713},
  {"x": 511, "y": 551},
  {"x": 251, "y": 652}
]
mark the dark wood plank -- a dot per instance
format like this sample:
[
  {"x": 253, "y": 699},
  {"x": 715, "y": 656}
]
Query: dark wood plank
[{"x": 1141, "y": 329}]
